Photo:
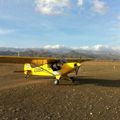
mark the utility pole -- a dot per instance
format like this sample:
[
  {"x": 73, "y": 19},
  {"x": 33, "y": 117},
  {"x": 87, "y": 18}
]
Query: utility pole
[{"x": 18, "y": 53}]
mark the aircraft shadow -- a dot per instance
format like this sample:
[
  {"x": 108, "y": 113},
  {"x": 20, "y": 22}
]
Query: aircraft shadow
[{"x": 97, "y": 82}]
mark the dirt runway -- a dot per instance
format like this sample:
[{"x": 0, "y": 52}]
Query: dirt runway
[{"x": 94, "y": 96}]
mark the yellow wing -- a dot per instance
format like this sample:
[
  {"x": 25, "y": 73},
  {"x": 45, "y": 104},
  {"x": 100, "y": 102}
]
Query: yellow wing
[
  {"x": 22, "y": 60},
  {"x": 36, "y": 60}
]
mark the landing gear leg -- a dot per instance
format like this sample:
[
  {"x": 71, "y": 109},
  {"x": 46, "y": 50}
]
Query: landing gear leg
[
  {"x": 27, "y": 76},
  {"x": 57, "y": 80}
]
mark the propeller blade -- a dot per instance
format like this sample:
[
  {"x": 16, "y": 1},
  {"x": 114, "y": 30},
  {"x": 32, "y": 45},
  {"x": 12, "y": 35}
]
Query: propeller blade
[{"x": 76, "y": 70}]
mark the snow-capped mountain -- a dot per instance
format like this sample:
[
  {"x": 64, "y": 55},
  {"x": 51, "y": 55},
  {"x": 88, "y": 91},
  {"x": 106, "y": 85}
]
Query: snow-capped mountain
[{"x": 97, "y": 51}]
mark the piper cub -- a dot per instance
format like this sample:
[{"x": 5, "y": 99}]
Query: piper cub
[{"x": 46, "y": 66}]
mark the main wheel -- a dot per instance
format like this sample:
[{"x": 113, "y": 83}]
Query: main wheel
[
  {"x": 56, "y": 82},
  {"x": 73, "y": 79}
]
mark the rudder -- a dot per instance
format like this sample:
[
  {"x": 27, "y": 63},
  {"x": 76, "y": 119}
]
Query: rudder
[
  {"x": 27, "y": 69},
  {"x": 27, "y": 66}
]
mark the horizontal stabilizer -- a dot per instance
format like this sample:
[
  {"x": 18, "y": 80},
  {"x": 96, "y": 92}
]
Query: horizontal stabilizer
[{"x": 22, "y": 71}]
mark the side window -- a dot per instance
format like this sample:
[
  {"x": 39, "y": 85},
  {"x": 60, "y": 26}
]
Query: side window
[
  {"x": 49, "y": 65},
  {"x": 55, "y": 66}
]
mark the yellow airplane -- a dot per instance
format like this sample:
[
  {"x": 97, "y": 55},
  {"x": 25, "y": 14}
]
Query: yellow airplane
[{"x": 46, "y": 66}]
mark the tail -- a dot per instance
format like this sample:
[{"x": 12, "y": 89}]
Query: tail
[{"x": 27, "y": 68}]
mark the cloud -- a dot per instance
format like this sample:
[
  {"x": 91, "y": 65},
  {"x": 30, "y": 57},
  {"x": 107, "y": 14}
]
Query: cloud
[
  {"x": 6, "y": 31},
  {"x": 52, "y": 7},
  {"x": 97, "y": 47},
  {"x": 118, "y": 18},
  {"x": 80, "y": 2},
  {"x": 117, "y": 24},
  {"x": 10, "y": 18},
  {"x": 101, "y": 47},
  {"x": 53, "y": 46},
  {"x": 115, "y": 37},
  {"x": 56, "y": 7},
  {"x": 99, "y": 6}
]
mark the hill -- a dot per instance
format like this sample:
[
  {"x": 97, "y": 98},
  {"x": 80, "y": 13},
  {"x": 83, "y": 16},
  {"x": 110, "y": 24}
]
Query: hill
[{"x": 61, "y": 52}]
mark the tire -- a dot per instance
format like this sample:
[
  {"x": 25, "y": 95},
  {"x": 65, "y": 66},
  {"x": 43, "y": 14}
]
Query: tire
[
  {"x": 56, "y": 82},
  {"x": 73, "y": 79}
]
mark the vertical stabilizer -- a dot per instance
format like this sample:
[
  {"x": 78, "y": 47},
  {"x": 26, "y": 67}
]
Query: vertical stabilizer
[{"x": 27, "y": 66}]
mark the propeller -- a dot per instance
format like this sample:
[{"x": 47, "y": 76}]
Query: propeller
[{"x": 77, "y": 67}]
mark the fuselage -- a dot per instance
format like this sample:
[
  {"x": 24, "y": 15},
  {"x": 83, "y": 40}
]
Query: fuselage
[{"x": 47, "y": 70}]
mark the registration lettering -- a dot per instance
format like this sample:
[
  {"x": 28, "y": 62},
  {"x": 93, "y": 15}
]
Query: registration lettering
[{"x": 38, "y": 70}]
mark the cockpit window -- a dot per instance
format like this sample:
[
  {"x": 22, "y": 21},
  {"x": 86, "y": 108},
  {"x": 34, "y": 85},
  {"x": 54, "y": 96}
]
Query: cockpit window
[{"x": 56, "y": 66}]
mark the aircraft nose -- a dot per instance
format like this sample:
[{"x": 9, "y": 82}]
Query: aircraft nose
[{"x": 77, "y": 65}]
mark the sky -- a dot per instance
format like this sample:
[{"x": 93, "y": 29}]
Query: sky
[{"x": 56, "y": 23}]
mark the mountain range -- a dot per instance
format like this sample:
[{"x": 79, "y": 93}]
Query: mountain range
[{"x": 98, "y": 52}]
